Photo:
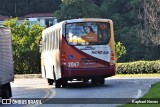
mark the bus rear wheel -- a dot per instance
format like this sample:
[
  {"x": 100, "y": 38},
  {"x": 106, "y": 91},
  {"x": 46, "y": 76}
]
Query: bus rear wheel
[
  {"x": 64, "y": 83},
  {"x": 61, "y": 83},
  {"x": 96, "y": 81},
  {"x": 101, "y": 81},
  {"x": 58, "y": 84},
  {"x": 50, "y": 81}
]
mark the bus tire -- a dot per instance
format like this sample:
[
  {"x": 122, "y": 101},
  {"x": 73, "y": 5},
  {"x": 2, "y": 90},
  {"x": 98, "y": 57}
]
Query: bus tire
[
  {"x": 64, "y": 83},
  {"x": 50, "y": 81},
  {"x": 58, "y": 84},
  {"x": 94, "y": 81},
  {"x": 6, "y": 91},
  {"x": 101, "y": 80}
]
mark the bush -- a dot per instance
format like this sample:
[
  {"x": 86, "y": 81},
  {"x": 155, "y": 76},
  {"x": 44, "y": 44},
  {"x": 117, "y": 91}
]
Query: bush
[
  {"x": 138, "y": 67},
  {"x": 120, "y": 50},
  {"x": 25, "y": 46}
]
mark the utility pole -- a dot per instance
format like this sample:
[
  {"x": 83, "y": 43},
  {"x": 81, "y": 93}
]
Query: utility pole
[
  {"x": 15, "y": 7},
  {"x": 28, "y": 7}
]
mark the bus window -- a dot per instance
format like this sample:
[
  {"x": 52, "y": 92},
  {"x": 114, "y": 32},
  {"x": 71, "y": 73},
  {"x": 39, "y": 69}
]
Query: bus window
[
  {"x": 47, "y": 42},
  {"x": 88, "y": 33},
  {"x": 56, "y": 39},
  {"x": 53, "y": 40},
  {"x": 104, "y": 33},
  {"x": 49, "y": 38},
  {"x": 59, "y": 36},
  {"x": 52, "y": 36},
  {"x": 50, "y": 44}
]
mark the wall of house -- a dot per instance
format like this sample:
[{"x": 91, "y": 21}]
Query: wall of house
[
  {"x": 44, "y": 21},
  {"x": 1, "y": 23}
]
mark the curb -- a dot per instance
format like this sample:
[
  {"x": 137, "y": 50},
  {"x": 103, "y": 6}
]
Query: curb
[
  {"x": 27, "y": 76},
  {"x": 31, "y": 76}
]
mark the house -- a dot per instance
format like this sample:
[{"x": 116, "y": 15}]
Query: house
[{"x": 45, "y": 19}]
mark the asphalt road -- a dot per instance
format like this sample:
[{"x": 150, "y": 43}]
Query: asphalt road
[{"x": 113, "y": 88}]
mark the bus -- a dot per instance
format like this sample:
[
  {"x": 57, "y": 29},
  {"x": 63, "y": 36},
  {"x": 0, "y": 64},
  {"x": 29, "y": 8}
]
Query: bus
[
  {"x": 78, "y": 49},
  {"x": 6, "y": 63}
]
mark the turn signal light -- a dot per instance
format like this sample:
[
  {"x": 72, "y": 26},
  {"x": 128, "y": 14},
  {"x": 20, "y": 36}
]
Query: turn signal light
[
  {"x": 112, "y": 58},
  {"x": 63, "y": 58}
]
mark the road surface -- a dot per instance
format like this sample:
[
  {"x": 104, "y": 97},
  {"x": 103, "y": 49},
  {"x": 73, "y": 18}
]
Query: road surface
[{"x": 113, "y": 88}]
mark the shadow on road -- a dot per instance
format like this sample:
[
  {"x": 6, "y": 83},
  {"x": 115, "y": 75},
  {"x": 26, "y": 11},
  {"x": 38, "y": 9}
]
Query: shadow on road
[{"x": 80, "y": 85}]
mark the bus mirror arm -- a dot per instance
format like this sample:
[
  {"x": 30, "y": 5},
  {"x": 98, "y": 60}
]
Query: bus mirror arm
[{"x": 40, "y": 42}]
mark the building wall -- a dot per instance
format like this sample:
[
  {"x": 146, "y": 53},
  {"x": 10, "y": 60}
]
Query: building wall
[
  {"x": 1, "y": 23},
  {"x": 44, "y": 21}
]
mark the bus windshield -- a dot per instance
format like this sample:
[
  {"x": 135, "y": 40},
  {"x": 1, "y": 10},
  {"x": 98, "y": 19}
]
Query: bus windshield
[{"x": 87, "y": 33}]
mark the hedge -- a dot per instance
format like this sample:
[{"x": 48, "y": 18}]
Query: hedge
[{"x": 138, "y": 67}]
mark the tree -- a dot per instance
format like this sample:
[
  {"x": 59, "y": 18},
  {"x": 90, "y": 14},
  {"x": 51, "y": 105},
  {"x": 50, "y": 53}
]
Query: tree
[
  {"x": 43, "y": 6},
  {"x": 70, "y": 9},
  {"x": 22, "y": 7},
  {"x": 124, "y": 14},
  {"x": 98, "y": 2},
  {"x": 6, "y": 7},
  {"x": 150, "y": 22},
  {"x": 25, "y": 46}
]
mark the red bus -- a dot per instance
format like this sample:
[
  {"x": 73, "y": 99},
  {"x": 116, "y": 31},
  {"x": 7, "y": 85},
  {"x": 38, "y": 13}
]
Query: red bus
[{"x": 78, "y": 49}]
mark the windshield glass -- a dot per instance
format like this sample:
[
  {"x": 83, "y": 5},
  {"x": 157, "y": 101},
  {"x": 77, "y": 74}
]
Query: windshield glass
[{"x": 85, "y": 33}]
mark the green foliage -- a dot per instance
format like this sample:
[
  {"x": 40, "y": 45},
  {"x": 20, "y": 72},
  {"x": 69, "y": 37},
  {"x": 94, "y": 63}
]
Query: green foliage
[
  {"x": 120, "y": 50},
  {"x": 138, "y": 67},
  {"x": 149, "y": 19},
  {"x": 70, "y": 9},
  {"x": 25, "y": 46},
  {"x": 124, "y": 14},
  {"x": 23, "y": 7}
]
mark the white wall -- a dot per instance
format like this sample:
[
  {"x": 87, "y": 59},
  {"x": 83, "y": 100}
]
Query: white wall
[
  {"x": 1, "y": 23},
  {"x": 42, "y": 22}
]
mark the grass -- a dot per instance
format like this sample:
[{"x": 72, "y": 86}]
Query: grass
[
  {"x": 154, "y": 92},
  {"x": 137, "y": 76}
]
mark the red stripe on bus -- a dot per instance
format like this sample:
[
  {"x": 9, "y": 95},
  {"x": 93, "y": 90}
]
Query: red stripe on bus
[{"x": 87, "y": 55}]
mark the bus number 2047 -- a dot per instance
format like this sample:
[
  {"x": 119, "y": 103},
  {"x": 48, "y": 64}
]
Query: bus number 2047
[{"x": 73, "y": 64}]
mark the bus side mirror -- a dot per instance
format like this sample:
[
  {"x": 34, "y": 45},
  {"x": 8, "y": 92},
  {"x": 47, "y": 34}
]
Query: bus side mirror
[{"x": 40, "y": 44}]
